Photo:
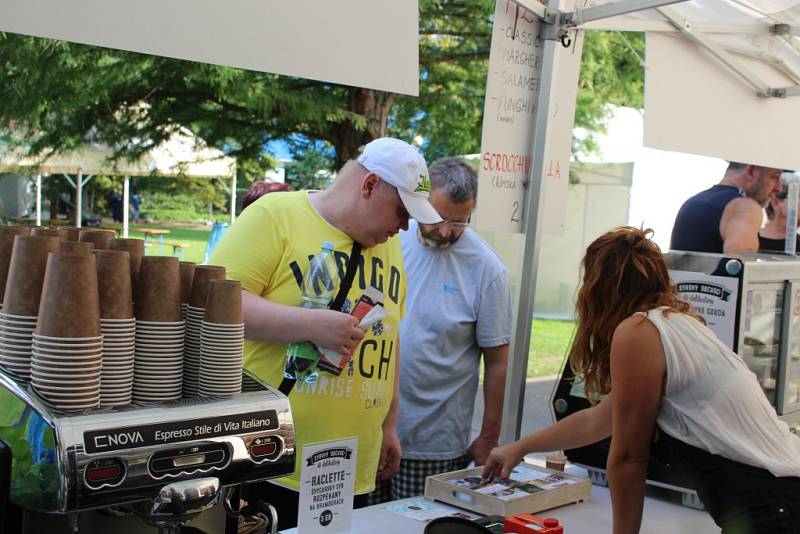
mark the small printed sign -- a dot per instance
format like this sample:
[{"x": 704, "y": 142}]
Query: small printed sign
[
  {"x": 713, "y": 297},
  {"x": 327, "y": 481}
]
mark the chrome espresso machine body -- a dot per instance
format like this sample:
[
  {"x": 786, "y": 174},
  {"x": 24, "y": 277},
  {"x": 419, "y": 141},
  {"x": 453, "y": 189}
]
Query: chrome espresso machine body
[
  {"x": 116, "y": 457},
  {"x": 752, "y": 303}
]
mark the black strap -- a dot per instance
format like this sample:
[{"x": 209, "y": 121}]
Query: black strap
[
  {"x": 336, "y": 304},
  {"x": 349, "y": 276}
]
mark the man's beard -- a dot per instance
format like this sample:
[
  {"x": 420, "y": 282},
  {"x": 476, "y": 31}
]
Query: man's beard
[{"x": 432, "y": 240}]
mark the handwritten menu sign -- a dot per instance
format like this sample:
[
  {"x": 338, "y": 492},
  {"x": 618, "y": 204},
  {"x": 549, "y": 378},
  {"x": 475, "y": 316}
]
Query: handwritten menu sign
[
  {"x": 510, "y": 111},
  {"x": 327, "y": 478},
  {"x": 512, "y": 88}
]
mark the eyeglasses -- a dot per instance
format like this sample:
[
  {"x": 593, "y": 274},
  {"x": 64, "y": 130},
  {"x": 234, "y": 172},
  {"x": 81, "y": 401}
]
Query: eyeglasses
[
  {"x": 460, "y": 225},
  {"x": 402, "y": 212}
]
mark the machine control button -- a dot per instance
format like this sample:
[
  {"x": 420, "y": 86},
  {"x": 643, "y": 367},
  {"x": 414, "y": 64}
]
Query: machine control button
[
  {"x": 185, "y": 461},
  {"x": 104, "y": 472},
  {"x": 201, "y": 458},
  {"x": 265, "y": 448}
]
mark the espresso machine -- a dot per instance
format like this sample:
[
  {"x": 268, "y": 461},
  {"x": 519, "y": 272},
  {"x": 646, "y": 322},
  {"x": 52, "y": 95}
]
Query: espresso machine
[{"x": 164, "y": 464}]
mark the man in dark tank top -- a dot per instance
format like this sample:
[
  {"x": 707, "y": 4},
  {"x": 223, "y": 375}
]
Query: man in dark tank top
[{"x": 727, "y": 217}]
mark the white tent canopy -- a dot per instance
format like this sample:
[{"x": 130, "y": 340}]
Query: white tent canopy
[
  {"x": 182, "y": 155},
  {"x": 363, "y": 43},
  {"x": 722, "y": 78}
]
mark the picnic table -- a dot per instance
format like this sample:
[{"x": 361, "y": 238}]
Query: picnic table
[
  {"x": 154, "y": 233},
  {"x": 177, "y": 248}
]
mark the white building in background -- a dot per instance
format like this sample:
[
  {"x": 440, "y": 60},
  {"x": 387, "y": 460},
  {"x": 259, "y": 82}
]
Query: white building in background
[
  {"x": 624, "y": 184},
  {"x": 17, "y": 196}
]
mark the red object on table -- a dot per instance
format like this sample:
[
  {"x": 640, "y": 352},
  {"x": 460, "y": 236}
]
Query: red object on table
[{"x": 531, "y": 524}]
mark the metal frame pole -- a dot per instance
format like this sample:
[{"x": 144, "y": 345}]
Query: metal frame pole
[
  {"x": 79, "y": 199},
  {"x": 38, "y": 200},
  {"x": 126, "y": 193},
  {"x": 521, "y": 337},
  {"x": 615, "y": 9},
  {"x": 233, "y": 198}
]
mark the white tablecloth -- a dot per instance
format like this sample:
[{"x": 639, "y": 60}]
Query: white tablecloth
[{"x": 661, "y": 516}]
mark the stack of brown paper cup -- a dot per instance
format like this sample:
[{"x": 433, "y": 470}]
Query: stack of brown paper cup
[
  {"x": 7, "y": 235},
  {"x": 158, "y": 365},
  {"x": 26, "y": 274},
  {"x": 222, "y": 340},
  {"x": 21, "y": 302},
  {"x": 203, "y": 274},
  {"x": 114, "y": 284},
  {"x": 100, "y": 238},
  {"x": 70, "y": 306},
  {"x": 158, "y": 293},
  {"x": 187, "y": 276},
  {"x": 118, "y": 326},
  {"x": 135, "y": 248},
  {"x": 67, "y": 350},
  {"x": 194, "y": 312}
]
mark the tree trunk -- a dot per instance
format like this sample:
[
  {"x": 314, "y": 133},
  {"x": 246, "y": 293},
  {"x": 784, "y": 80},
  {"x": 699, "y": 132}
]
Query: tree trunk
[{"x": 374, "y": 106}]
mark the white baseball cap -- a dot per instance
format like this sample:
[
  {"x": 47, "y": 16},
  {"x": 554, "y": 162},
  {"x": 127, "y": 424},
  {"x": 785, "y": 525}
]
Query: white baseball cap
[{"x": 400, "y": 164}]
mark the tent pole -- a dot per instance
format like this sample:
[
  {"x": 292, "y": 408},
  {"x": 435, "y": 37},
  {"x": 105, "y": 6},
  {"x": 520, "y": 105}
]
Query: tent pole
[
  {"x": 38, "y": 200},
  {"x": 126, "y": 198},
  {"x": 533, "y": 221},
  {"x": 79, "y": 199},
  {"x": 233, "y": 198}
]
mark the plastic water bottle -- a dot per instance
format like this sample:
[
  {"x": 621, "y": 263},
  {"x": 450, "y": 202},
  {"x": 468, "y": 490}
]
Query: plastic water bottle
[{"x": 320, "y": 285}]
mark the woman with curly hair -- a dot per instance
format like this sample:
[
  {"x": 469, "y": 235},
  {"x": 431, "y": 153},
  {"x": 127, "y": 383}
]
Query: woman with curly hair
[{"x": 660, "y": 380}]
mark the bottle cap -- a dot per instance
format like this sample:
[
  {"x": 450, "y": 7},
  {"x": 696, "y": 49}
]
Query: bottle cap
[{"x": 327, "y": 245}]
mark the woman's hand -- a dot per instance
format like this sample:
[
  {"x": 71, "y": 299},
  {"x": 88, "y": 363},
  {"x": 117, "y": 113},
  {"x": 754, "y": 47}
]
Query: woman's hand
[{"x": 502, "y": 460}]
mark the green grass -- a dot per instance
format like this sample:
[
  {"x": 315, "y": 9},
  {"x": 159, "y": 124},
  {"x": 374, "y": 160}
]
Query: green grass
[
  {"x": 550, "y": 341},
  {"x": 196, "y": 238}
]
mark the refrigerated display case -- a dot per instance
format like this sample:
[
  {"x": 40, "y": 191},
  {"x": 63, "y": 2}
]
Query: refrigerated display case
[{"x": 759, "y": 320}]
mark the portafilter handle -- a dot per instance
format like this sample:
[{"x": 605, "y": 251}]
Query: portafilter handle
[{"x": 184, "y": 498}]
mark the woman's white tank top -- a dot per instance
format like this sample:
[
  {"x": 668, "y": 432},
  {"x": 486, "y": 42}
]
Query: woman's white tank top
[{"x": 714, "y": 402}]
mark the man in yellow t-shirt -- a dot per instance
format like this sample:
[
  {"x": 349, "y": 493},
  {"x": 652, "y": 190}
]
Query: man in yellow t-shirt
[{"x": 269, "y": 248}]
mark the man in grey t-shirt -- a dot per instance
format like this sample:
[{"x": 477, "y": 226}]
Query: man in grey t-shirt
[{"x": 458, "y": 308}]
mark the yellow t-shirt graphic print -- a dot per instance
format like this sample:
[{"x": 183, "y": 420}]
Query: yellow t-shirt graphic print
[{"x": 268, "y": 249}]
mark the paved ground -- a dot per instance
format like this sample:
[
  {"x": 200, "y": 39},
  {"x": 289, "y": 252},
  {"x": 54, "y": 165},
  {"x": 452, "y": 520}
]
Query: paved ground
[{"x": 537, "y": 412}]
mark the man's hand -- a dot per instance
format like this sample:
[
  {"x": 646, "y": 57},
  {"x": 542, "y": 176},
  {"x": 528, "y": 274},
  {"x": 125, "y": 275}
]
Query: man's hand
[
  {"x": 389, "y": 462},
  {"x": 502, "y": 460},
  {"x": 480, "y": 448},
  {"x": 334, "y": 330}
]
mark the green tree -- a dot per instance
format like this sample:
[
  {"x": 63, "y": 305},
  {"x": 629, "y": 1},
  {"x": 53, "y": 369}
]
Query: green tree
[
  {"x": 63, "y": 94},
  {"x": 311, "y": 167}
]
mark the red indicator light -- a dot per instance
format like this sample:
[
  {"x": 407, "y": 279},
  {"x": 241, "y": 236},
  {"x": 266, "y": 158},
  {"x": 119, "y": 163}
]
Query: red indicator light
[
  {"x": 99, "y": 474},
  {"x": 264, "y": 449}
]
